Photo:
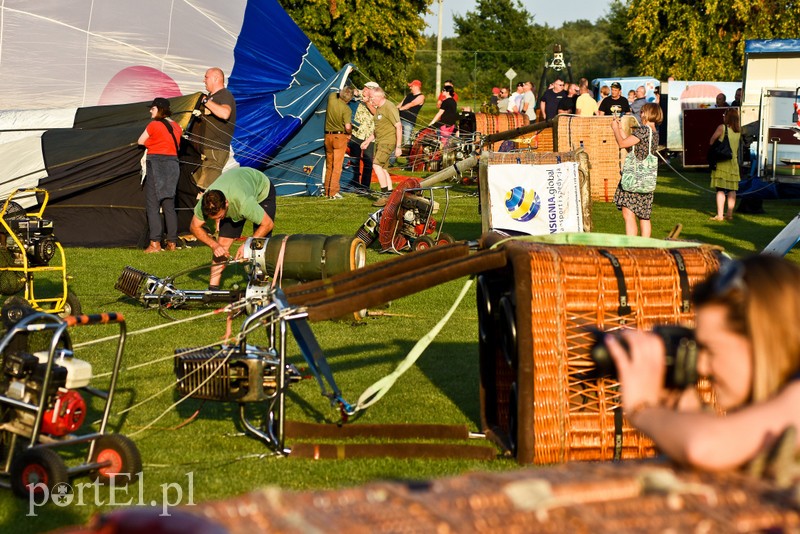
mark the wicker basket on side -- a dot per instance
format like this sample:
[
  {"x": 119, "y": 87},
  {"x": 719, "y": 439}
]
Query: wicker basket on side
[
  {"x": 487, "y": 124},
  {"x": 537, "y": 392},
  {"x": 605, "y": 157}
]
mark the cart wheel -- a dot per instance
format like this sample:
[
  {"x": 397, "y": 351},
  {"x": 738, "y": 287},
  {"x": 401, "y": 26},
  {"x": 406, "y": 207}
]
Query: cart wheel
[
  {"x": 445, "y": 239},
  {"x": 37, "y": 466},
  {"x": 122, "y": 454},
  {"x": 72, "y": 306},
  {"x": 14, "y": 309},
  {"x": 423, "y": 243}
]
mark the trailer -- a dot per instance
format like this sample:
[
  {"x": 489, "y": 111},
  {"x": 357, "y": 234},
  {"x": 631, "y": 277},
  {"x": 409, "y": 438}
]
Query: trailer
[{"x": 771, "y": 79}]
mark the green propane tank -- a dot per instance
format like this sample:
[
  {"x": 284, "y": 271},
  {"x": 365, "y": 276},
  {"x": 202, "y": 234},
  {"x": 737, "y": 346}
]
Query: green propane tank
[{"x": 314, "y": 257}]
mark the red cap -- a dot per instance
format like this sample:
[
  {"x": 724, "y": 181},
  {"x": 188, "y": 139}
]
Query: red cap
[
  {"x": 495, "y": 90},
  {"x": 415, "y": 82}
]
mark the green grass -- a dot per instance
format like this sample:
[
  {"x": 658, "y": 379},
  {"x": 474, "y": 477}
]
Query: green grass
[{"x": 441, "y": 388}]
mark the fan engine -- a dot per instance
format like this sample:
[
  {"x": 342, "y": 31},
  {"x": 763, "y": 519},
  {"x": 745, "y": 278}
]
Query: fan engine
[{"x": 22, "y": 378}]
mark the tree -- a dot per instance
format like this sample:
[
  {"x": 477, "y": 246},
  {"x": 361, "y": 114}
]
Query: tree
[
  {"x": 498, "y": 35},
  {"x": 379, "y": 37},
  {"x": 704, "y": 39}
]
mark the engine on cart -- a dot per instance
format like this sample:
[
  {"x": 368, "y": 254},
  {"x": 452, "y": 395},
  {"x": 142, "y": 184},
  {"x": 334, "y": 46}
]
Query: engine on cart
[
  {"x": 23, "y": 375},
  {"x": 33, "y": 233}
]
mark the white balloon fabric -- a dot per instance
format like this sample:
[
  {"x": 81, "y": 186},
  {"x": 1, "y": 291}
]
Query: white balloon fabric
[{"x": 80, "y": 53}]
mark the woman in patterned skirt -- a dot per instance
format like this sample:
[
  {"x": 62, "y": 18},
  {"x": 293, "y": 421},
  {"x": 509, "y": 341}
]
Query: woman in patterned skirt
[
  {"x": 638, "y": 206},
  {"x": 725, "y": 177}
]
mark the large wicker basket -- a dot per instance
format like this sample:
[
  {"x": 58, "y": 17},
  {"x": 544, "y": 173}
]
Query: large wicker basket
[
  {"x": 595, "y": 136},
  {"x": 537, "y": 393},
  {"x": 486, "y": 124}
]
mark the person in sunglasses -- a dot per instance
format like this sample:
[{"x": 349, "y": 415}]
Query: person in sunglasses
[{"x": 747, "y": 317}]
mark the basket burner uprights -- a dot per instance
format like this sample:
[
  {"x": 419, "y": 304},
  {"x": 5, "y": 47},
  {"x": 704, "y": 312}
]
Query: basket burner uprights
[{"x": 247, "y": 374}]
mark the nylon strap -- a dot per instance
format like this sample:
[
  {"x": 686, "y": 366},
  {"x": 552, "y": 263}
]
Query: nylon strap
[
  {"x": 377, "y": 390},
  {"x": 623, "y": 309},
  {"x": 683, "y": 277}
]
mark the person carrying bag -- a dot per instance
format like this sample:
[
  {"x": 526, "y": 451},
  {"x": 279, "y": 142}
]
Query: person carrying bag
[
  {"x": 634, "y": 194},
  {"x": 725, "y": 167},
  {"x": 720, "y": 150}
]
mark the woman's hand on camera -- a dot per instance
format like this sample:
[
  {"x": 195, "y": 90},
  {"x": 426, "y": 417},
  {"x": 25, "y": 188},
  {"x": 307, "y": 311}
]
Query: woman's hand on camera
[{"x": 640, "y": 369}]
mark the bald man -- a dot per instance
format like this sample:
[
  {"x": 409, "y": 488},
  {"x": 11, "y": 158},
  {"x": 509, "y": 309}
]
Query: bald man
[{"x": 219, "y": 118}]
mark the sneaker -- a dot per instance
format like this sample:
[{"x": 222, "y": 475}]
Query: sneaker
[
  {"x": 337, "y": 196},
  {"x": 380, "y": 202}
]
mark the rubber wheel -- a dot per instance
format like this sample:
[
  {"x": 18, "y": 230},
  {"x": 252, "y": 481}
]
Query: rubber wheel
[
  {"x": 445, "y": 239},
  {"x": 123, "y": 456},
  {"x": 423, "y": 243},
  {"x": 37, "y": 466},
  {"x": 14, "y": 309},
  {"x": 486, "y": 321},
  {"x": 72, "y": 306}
]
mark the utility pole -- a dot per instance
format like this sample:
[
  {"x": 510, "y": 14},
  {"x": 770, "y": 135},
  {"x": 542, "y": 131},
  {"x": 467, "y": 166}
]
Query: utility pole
[{"x": 439, "y": 50}]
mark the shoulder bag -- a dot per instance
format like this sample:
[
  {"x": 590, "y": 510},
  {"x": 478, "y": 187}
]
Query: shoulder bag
[
  {"x": 720, "y": 150},
  {"x": 639, "y": 176}
]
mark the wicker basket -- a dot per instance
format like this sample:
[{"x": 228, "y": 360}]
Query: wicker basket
[
  {"x": 605, "y": 157},
  {"x": 537, "y": 393},
  {"x": 487, "y": 124},
  {"x": 578, "y": 498},
  {"x": 535, "y": 158}
]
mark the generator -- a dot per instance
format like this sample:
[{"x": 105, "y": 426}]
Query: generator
[
  {"x": 43, "y": 405},
  {"x": 29, "y": 248}
]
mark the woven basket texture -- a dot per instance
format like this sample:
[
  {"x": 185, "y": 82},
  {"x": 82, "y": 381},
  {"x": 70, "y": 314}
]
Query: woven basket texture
[
  {"x": 637, "y": 496},
  {"x": 562, "y": 411}
]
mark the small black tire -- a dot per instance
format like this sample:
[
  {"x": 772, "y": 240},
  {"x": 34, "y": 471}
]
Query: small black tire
[
  {"x": 123, "y": 456},
  {"x": 72, "y": 306},
  {"x": 35, "y": 466},
  {"x": 14, "y": 310}
]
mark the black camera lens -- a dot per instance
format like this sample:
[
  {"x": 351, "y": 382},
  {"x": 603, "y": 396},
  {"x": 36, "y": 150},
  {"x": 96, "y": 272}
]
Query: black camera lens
[{"x": 681, "y": 355}]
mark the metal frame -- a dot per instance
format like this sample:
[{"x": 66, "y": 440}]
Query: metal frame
[{"x": 39, "y": 322}]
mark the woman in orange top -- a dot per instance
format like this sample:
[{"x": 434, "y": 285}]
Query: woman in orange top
[{"x": 161, "y": 138}]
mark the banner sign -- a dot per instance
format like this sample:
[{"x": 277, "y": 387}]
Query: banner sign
[{"x": 535, "y": 199}]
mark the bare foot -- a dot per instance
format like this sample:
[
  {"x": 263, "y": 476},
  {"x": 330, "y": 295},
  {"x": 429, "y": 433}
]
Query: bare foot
[{"x": 717, "y": 218}]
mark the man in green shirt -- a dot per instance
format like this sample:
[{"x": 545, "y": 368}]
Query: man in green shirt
[
  {"x": 388, "y": 139},
  {"x": 338, "y": 126},
  {"x": 238, "y": 195}
]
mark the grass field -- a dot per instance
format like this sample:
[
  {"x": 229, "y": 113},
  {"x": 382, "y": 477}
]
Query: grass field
[{"x": 442, "y": 388}]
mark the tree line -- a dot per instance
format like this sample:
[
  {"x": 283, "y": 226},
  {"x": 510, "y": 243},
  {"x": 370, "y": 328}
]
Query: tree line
[{"x": 686, "y": 39}]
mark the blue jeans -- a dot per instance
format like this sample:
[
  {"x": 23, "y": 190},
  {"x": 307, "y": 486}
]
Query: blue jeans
[{"x": 408, "y": 129}]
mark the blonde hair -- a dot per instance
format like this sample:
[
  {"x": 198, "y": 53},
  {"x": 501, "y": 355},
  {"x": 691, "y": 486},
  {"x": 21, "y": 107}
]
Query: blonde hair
[
  {"x": 651, "y": 112},
  {"x": 764, "y": 307}
]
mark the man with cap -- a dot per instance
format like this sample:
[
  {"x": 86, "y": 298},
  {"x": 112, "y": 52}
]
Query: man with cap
[
  {"x": 615, "y": 103},
  {"x": 219, "y": 117},
  {"x": 338, "y": 126},
  {"x": 409, "y": 109},
  {"x": 388, "y": 140},
  {"x": 361, "y": 150},
  {"x": 516, "y": 100}
]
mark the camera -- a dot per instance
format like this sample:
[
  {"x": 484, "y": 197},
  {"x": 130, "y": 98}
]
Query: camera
[{"x": 681, "y": 352}]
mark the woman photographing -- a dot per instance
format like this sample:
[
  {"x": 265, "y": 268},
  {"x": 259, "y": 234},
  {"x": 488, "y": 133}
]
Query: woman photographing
[{"x": 749, "y": 347}]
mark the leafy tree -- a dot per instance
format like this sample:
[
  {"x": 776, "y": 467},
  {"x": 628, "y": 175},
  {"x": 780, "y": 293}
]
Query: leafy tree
[
  {"x": 498, "y": 35},
  {"x": 704, "y": 39},
  {"x": 379, "y": 37}
]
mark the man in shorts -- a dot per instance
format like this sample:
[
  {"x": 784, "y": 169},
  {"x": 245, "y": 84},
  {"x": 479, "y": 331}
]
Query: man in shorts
[
  {"x": 238, "y": 195},
  {"x": 388, "y": 140}
]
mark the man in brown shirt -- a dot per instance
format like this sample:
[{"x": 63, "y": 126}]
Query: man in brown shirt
[{"x": 337, "y": 132}]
